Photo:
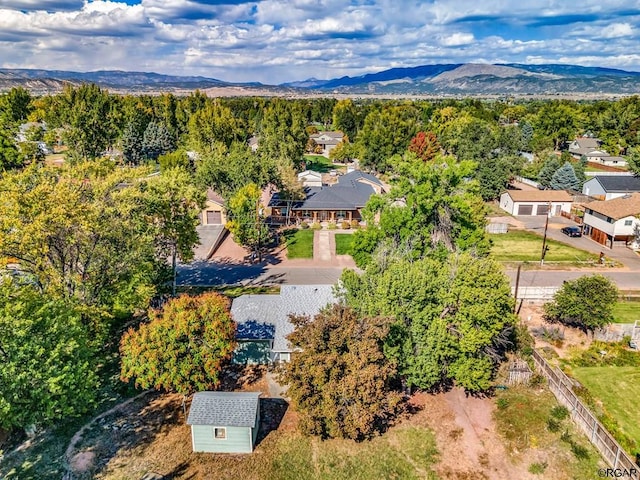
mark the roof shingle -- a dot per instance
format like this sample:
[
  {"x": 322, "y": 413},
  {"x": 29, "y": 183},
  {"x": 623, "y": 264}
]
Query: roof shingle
[
  {"x": 539, "y": 196},
  {"x": 618, "y": 207},
  {"x": 224, "y": 409}
]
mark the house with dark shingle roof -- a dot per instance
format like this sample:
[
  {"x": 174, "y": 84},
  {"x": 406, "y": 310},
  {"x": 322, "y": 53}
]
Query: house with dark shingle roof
[
  {"x": 590, "y": 148},
  {"x": 343, "y": 200},
  {"x": 224, "y": 422},
  {"x": 611, "y": 186},
  {"x": 263, "y": 321},
  {"x": 326, "y": 141},
  {"x": 614, "y": 220}
]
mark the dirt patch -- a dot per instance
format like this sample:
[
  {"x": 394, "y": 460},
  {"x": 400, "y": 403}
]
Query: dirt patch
[{"x": 470, "y": 447}]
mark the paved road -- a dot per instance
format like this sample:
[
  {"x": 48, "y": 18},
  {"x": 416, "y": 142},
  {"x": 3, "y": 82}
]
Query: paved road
[{"x": 554, "y": 278}]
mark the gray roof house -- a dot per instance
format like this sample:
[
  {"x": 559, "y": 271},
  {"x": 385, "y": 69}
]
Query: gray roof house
[
  {"x": 263, "y": 320},
  {"x": 326, "y": 141},
  {"x": 611, "y": 186},
  {"x": 224, "y": 422},
  {"x": 590, "y": 148},
  {"x": 343, "y": 200}
]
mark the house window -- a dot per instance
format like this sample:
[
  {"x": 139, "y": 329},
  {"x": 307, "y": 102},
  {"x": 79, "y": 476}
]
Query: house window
[
  {"x": 341, "y": 214},
  {"x": 628, "y": 223},
  {"x": 220, "y": 433}
]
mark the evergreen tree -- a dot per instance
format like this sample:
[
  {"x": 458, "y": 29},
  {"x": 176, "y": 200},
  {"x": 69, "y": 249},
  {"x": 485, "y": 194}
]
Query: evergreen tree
[
  {"x": 550, "y": 166},
  {"x": 565, "y": 178},
  {"x": 527, "y": 136},
  {"x": 156, "y": 141},
  {"x": 132, "y": 144}
]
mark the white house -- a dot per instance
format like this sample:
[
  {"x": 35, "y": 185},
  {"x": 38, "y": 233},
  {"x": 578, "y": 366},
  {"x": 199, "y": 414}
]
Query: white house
[
  {"x": 536, "y": 202},
  {"x": 614, "y": 220},
  {"x": 309, "y": 178},
  {"x": 327, "y": 141},
  {"x": 611, "y": 186},
  {"x": 590, "y": 148}
]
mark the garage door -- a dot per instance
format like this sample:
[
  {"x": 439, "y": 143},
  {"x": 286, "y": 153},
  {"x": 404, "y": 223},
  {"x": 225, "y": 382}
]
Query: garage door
[
  {"x": 214, "y": 218},
  {"x": 525, "y": 209},
  {"x": 543, "y": 210}
]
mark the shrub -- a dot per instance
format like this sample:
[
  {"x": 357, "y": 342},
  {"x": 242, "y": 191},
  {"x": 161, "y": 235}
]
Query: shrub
[
  {"x": 538, "y": 468},
  {"x": 345, "y": 225},
  {"x": 332, "y": 226},
  {"x": 553, "y": 425},
  {"x": 355, "y": 224},
  {"x": 316, "y": 226},
  {"x": 559, "y": 412},
  {"x": 502, "y": 403},
  {"x": 304, "y": 225},
  {"x": 579, "y": 451}
]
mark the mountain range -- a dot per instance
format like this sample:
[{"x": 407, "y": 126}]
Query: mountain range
[{"x": 443, "y": 79}]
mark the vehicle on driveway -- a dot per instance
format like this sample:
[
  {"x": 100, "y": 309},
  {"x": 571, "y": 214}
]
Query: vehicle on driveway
[{"x": 572, "y": 231}]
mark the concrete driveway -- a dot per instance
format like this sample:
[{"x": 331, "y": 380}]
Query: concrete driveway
[{"x": 626, "y": 256}]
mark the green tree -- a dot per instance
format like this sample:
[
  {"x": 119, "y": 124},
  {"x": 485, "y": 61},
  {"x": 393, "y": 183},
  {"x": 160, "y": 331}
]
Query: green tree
[
  {"x": 132, "y": 144},
  {"x": 345, "y": 118},
  {"x": 344, "y": 152},
  {"x": 586, "y": 303},
  {"x": 633, "y": 157},
  {"x": 558, "y": 121},
  {"x": 48, "y": 362},
  {"x": 177, "y": 159},
  {"x": 549, "y": 168},
  {"x": 245, "y": 218},
  {"x": 341, "y": 382},
  {"x": 214, "y": 124},
  {"x": 182, "y": 349},
  {"x": 565, "y": 178},
  {"x": 495, "y": 172},
  {"x": 10, "y": 156},
  {"x": 283, "y": 136},
  {"x": 15, "y": 106},
  {"x": 156, "y": 141},
  {"x": 453, "y": 316}
]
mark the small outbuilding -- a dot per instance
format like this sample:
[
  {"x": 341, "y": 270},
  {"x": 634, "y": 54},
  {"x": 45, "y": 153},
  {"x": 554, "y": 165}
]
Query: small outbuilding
[
  {"x": 536, "y": 202},
  {"x": 224, "y": 422}
]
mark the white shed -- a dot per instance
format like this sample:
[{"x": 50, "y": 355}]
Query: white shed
[{"x": 536, "y": 202}]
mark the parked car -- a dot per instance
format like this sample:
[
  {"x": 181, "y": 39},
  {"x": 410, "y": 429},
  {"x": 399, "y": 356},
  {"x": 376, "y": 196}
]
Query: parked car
[
  {"x": 572, "y": 231},
  {"x": 633, "y": 344}
]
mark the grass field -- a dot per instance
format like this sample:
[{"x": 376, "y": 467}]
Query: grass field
[
  {"x": 522, "y": 419},
  {"x": 626, "y": 312},
  {"x": 618, "y": 388},
  {"x": 343, "y": 243},
  {"x": 521, "y": 246},
  {"x": 299, "y": 243},
  {"x": 319, "y": 163}
]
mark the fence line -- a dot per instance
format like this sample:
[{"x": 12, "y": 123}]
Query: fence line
[{"x": 609, "y": 448}]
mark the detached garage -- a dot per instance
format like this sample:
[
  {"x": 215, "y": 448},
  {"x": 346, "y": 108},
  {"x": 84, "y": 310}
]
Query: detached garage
[{"x": 536, "y": 202}]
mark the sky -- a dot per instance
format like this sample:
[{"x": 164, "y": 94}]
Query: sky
[{"x": 276, "y": 41}]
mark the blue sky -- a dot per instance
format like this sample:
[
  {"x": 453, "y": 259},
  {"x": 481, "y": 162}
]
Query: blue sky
[{"x": 274, "y": 41}]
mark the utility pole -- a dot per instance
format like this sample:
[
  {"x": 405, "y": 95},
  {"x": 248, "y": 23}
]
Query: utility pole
[
  {"x": 515, "y": 293},
  {"x": 544, "y": 238}
]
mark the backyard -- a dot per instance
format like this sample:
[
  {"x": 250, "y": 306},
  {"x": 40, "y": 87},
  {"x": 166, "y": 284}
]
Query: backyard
[
  {"x": 343, "y": 243},
  {"x": 626, "y": 311},
  {"x": 318, "y": 163},
  {"x": 299, "y": 243},
  {"x": 521, "y": 246}
]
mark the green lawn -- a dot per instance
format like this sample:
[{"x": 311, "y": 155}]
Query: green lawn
[
  {"x": 618, "y": 388},
  {"x": 319, "y": 163},
  {"x": 343, "y": 243},
  {"x": 522, "y": 246},
  {"x": 299, "y": 243},
  {"x": 626, "y": 312}
]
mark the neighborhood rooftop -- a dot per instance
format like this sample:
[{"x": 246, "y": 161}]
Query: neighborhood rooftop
[
  {"x": 539, "y": 196},
  {"x": 266, "y": 317},
  {"x": 619, "y": 183},
  {"x": 621, "y": 207},
  {"x": 227, "y": 409}
]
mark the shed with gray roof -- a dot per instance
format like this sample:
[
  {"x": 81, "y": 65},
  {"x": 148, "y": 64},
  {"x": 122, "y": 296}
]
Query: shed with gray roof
[
  {"x": 263, "y": 320},
  {"x": 224, "y": 422}
]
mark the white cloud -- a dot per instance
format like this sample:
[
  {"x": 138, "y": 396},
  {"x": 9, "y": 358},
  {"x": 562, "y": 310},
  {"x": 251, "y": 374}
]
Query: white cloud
[{"x": 457, "y": 39}]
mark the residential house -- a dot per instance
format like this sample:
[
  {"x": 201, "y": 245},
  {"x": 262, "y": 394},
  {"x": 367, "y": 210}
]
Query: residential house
[
  {"x": 536, "y": 202},
  {"x": 590, "y": 148},
  {"x": 326, "y": 141},
  {"x": 608, "y": 187},
  {"x": 224, "y": 422},
  {"x": 614, "y": 220},
  {"x": 309, "y": 178},
  {"x": 214, "y": 210},
  {"x": 263, "y": 321},
  {"x": 211, "y": 230},
  {"x": 343, "y": 200}
]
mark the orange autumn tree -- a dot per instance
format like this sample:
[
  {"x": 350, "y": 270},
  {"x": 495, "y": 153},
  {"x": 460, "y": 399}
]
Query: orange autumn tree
[
  {"x": 425, "y": 145},
  {"x": 183, "y": 348}
]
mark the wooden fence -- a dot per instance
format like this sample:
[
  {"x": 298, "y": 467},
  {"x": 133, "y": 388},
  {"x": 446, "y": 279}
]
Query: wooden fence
[{"x": 561, "y": 386}]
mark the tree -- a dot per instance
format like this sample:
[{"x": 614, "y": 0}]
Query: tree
[
  {"x": 47, "y": 366},
  {"x": 341, "y": 382},
  {"x": 132, "y": 144},
  {"x": 345, "y": 118},
  {"x": 633, "y": 157},
  {"x": 156, "y": 141},
  {"x": 212, "y": 125},
  {"x": 10, "y": 156},
  {"x": 549, "y": 168},
  {"x": 183, "y": 348},
  {"x": 245, "y": 218},
  {"x": 177, "y": 159},
  {"x": 344, "y": 152},
  {"x": 283, "y": 136},
  {"x": 425, "y": 146},
  {"x": 586, "y": 303},
  {"x": 565, "y": 178},
  {"x": 453, "y": 316},
  {"x": 433, "y": 206},
  {"x": 495, "y": 172},
  {"x": 15, "y": 106}
]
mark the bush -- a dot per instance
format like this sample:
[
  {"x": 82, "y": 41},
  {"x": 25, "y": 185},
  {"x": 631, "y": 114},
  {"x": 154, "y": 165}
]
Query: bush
[
  {"x": 304, "y": 225},
  {"x": 553, "y": 425},
  {"x": 581, "y": 453},
  {"x": 332, "y": 226},
  {"x": 355, "y": 224},
  {"x": 345, "y": 225},
  {"x": 559, "y": 412},
  {"x": 502, "y": 403},
  {"x": 316, "y": 226},
  {"x": 538, "y": 468}
]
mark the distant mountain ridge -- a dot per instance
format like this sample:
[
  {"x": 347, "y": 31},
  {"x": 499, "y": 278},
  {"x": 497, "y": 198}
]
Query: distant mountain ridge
[{"x": 438, "y": 79}]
